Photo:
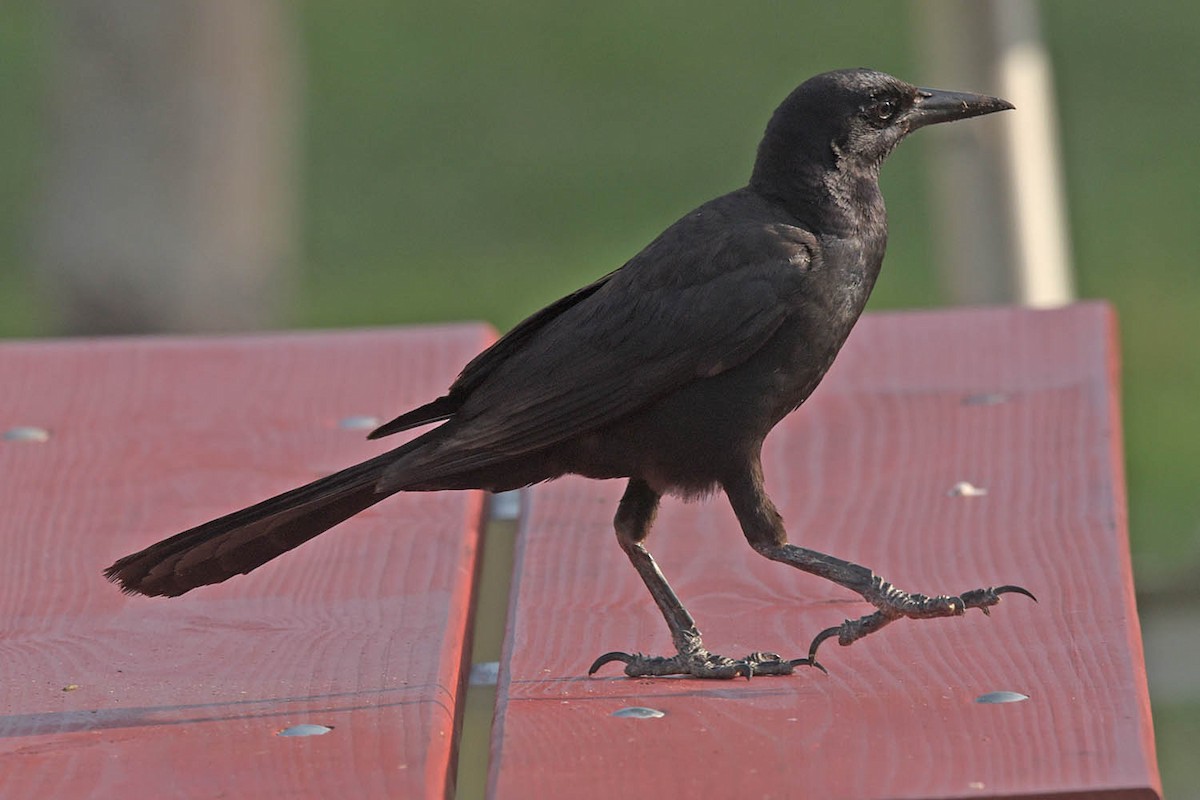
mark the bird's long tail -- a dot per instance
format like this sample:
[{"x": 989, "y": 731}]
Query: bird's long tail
[{"x": 245, "y": 540}]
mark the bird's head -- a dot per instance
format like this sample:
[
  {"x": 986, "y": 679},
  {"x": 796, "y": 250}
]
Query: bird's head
[{"x": 850, "y": 121}]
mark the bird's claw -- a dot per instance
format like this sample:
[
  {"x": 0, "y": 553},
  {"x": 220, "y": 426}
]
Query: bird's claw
[
  {"x": 893, "y": 604},
  {"x": 702, "y": 664},
  {"x": 608, "y": 658},
  {"x": 1013, "y": 589},
  {"x": 828, "y": 633}
]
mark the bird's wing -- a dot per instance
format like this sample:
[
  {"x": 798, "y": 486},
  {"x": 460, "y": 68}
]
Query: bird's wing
[
  {"x": 686, "y": 308},
  {"x": 480, "y": 367}
]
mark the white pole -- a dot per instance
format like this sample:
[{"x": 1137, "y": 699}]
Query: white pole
[
  {"x": 1002, "y": 232},
  {"x": 1038, "y": 207}
]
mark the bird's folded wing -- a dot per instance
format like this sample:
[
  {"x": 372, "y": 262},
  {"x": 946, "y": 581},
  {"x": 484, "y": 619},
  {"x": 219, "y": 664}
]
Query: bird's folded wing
[{"x": 627, "y": 345}]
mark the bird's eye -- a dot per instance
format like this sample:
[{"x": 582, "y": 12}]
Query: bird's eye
[{"x": 884, "y": 110}]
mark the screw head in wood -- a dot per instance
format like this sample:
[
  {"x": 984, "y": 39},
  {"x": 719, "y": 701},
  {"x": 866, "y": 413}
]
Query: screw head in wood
[
  {"x": 26, "y": 433},
  {"x": 639, "y": 712}
]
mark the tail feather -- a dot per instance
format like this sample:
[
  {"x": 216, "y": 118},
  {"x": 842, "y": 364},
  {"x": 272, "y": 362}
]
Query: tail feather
[{"x": 245, "y": 540}]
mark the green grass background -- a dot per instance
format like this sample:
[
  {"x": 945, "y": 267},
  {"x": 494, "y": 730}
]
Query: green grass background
[{"x": 472, "y": 160}]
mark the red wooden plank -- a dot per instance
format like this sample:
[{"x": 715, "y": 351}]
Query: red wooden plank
[
  {"x": 863, "y": 472},
  {"x": 103, "y": 695}
]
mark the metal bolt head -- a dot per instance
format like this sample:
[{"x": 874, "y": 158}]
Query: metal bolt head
[
  {"x": 306, "y": 729},
  {"x": 1001, "y": 697},
  {"x": 26, "y": 433},
  {"x": 358, "y": 422},
  {"x": 639, "y": 712}
]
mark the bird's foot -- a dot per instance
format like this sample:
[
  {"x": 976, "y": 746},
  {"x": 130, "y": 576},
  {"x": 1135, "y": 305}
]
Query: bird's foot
[
  {"x": 699, "y": 663},
  {"x": 894, "y": 604}
]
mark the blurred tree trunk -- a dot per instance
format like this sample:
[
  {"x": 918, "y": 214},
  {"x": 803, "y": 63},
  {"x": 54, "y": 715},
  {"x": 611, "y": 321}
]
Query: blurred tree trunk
[{"x": 169, "y": 197}]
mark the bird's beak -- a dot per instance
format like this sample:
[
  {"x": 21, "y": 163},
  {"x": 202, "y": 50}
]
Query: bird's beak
[{"x": 933, "y": 106}]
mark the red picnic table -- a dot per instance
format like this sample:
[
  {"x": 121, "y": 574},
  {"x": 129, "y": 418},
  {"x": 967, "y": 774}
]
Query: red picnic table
[{"x": 946, "y": 449}]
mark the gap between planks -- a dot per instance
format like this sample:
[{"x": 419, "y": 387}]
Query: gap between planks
[{"x": 489, "y": 620}]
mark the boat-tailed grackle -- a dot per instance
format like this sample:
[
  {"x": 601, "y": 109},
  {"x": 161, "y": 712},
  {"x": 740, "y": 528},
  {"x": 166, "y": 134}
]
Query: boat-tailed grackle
[{"x": 669, "y": 372}]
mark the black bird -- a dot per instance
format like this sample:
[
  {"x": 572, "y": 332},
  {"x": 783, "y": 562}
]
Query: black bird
[{"x": 669, "y": 371}]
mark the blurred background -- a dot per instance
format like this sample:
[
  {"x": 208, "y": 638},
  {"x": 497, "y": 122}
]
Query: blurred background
[{"x": 239, "y": 164}]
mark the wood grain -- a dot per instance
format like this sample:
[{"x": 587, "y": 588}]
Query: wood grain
[
  {"x": 1020, "y": 403},
  {"x": 362, "y": 630}
]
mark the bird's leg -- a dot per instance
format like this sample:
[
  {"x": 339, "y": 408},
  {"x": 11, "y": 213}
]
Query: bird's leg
[
  {"x": 633, "y": 520},
  {"x": 763, "y": 527}
]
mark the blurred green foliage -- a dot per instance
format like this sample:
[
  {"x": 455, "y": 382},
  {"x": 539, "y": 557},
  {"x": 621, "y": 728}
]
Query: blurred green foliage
[
  {"x": 22, "y": 77},
  {"x": 516, "y": 150},
  {"x": 1127, "y": 76},
  {"x": 477, "y": 160}
]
